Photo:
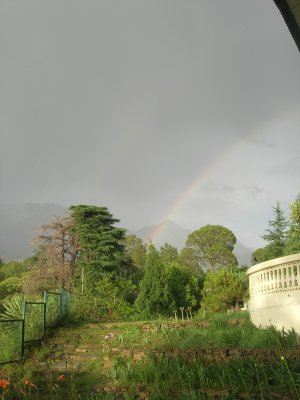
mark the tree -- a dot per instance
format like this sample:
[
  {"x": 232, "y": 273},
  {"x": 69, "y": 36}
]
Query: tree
[
  {"x": 109, "y": 300},
  {"x": 181, "y": 287},
  {"x": 292, "y": 244},
  {"x": 168, "y": 253},
  {"x": 189, "y": 259},
  {"x": 136, "y": 250},
  {"x": 224, "y": 289},
  {"x": 212, "y": 246},
  {"x": 47, "y": 273},
  {"x": 56, "y": 245},
  {"x": 262, "y": 254},
  {"x": 100, "y": 242},
  {"x": 152, "y": 298},
  {"x": 165, "y": 287},
  {"x": 276, "y": 233}
]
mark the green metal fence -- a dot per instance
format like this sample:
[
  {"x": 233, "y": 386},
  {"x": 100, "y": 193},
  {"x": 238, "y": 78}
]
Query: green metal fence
[{"x": 37, "y": 317}]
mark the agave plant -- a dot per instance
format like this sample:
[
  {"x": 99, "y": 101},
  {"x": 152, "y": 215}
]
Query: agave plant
[{"x": 13, "y": 307}]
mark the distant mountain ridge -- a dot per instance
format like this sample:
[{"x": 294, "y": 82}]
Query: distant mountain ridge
[
  {"x": 169, "y": 233},
  {"x": 19, "y": 221}
]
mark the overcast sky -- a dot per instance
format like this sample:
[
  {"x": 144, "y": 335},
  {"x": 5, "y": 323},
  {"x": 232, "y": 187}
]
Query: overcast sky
[{"x": 180, "y": 109}]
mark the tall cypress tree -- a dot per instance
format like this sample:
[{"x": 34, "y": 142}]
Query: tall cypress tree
[{"x": 151, "y": 299}]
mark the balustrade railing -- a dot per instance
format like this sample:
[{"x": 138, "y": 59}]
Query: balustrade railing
[
  {"x": 274, "y": 288},
  {"x": 275, "y": 278}
]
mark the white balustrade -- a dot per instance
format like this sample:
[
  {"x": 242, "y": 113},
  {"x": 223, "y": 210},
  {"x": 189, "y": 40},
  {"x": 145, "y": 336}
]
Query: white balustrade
[{"x": 274, "y": 288}]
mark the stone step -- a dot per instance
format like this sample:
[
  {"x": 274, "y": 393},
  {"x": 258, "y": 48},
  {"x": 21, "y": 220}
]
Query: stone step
[{"x": 84, "y": 360}]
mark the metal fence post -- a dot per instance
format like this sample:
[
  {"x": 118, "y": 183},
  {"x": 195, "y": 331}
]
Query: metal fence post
[
  {"x": 44, "y": 318},
  {"x": 22, "y": 337},
  {"x": 45, "y": 312},
  {"x": 28, "y": 336},
  {"x": 59, "y": 306},
  {"x": 23, "y": 328}
]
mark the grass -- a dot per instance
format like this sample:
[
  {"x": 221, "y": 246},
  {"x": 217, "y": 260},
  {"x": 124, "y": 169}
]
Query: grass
[
  {"x": 10, "y": 332},
  {"x": 168, "y": 378},
  {"x": 160, "y": 374},
  {"x": 219, "y": 334},
  {"x": 10, "y": 341}
]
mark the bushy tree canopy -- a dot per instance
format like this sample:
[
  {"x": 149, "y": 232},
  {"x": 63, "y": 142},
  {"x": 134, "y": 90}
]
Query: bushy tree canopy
[
  {"x": 224, "y": 289},
  {"x": 212, "y": 246},
  {"x": 182, "y": 287},
  {"x": 262, "y": 254},
  {"x": 136, "y": 250},
  {"x": 168, "y": 253}
]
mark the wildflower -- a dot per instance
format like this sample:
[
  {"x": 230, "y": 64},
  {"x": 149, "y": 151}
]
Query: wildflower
[
  {"x": 61, "y": 378},
  {"x": 4, "y": 383},
  {"x": 282, "y": 358},
  {"x": 108, "y": 336},
  {"x": 29, "y": 383}
]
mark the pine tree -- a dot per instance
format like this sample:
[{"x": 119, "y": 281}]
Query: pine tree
[
  {"x": 292, "y": 244},
  {"x": 276, "y": 234}
]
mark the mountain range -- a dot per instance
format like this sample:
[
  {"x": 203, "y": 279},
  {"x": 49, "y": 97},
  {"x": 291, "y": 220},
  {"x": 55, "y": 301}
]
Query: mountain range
[{"x": 19, "y": 221}]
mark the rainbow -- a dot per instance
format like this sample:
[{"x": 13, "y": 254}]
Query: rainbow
[{"x": 214, "y": 164}]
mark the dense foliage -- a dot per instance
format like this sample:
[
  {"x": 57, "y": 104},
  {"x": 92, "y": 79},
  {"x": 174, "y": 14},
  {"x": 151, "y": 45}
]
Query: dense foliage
[
  {"x": 168, "y": 253},
  {"x": 292, "y": 244},
  {"x": 152, "y": 296},
  {"x": 166, "y": 287},
  {"x": 282, "y": 236},
  {"x": 212, "y": 247},
  {"x": 100, "y": 242},
  {"x": 12, "y": 277},
  {"x": 224, "y": 289},
  {"x": 136, "y": 250}
]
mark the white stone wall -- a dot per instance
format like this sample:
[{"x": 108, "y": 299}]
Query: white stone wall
[{"x": 274, "y": 288}]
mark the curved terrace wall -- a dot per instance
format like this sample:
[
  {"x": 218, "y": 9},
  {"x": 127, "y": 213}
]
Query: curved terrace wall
[{"x": 274, "y": 288}]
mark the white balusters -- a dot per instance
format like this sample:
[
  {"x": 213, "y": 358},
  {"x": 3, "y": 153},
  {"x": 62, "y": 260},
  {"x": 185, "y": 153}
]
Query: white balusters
[{"x": 277, "y": 278}]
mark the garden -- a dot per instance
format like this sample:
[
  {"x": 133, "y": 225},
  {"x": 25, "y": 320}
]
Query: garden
[
  {"x": 137, "y": 322},
  {"x": 221, "y": 357}
]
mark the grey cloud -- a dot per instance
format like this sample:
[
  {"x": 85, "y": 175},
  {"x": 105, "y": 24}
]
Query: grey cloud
[
  {"x": 253, "y": 190},
  {"x": 128, "y": 102},
  {"x": 263, "y": 143},
  {"x": 284, "y": 168},
  {"x": 228, "y": 189}
]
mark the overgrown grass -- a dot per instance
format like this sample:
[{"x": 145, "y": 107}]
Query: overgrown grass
[
  {"x": 10, "y": 341},
  {"x": 168, "y": 376},
  {"x": 218, "y": 334}
]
